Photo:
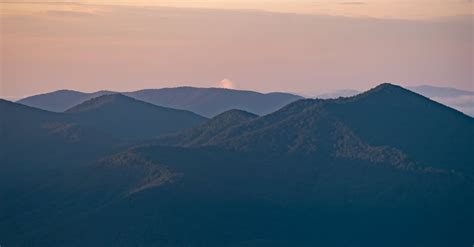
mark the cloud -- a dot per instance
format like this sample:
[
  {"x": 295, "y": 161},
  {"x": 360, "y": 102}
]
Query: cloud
[
  {"x": 226, "y": 83},
  {"x": 463, "y": 103},
  {"x": 69, "y": 13},
  {"x": 353, "y": 3},
  {"x": 42, "y": 2}
]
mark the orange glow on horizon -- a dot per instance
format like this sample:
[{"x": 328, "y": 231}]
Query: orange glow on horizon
[
  {"x": 91, "y": 45},
  {"x": 392, "y": 9}
]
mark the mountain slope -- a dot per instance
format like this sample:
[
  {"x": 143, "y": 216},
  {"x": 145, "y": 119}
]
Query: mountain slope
[
  {"x": 59, "y": 101},
  {"x": 128, "y": 118},
  {"x": 29, "y": 136},
  {"x": 210, "y": 129},
  {"x": 208, "y": 198},
  {"x": 311, "y": 132},
  {"x": 427, "y": 132}
]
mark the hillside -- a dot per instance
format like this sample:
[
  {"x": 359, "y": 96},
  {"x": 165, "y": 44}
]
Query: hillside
[
  {"x": 46, "y": 137},
  {"x": 210, "y": 129},
  {"x": 128, "y": 118},
  {"x": 427, "y": 131}
]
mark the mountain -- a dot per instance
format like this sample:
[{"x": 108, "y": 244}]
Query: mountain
[
  {"x": 210, "y": 102},
  {"x": 388, "y": 115},
  {"x": 207, "y": 102},
  {"x": 425, "y": 90},
  {"x": 127, "y": 118},
  {"x": 92, "y": 127},
  {"x": 425, "y": 130},
  {"x": 49, "y": 158},
  {"x": 387, "y": 166},
  {"x": 461, "y": 100},
  {"x": 210, "y": 129},
  {"x": 34, "y": 136},
  {"x": 59, "y": 101},
  {"x": 297, "y": 130}
]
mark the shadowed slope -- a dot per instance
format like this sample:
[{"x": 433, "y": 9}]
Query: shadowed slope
[
  {"x": 128, "y": 118},
  {"x": 425, "y": 130},
  {"x": 33, "y": 135},
  {"x": 202, "y": 134}
]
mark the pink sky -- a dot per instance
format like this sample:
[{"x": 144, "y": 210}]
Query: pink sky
[{"x": 91, "y": 46}]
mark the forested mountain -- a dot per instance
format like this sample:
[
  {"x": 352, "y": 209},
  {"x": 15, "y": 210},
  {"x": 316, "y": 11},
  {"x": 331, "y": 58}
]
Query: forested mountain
[
  {"x": 97, "y": 125},
  {"x": 29, "y": 135},
  {"x": 314, "y": 173},
  {"x": 128, "y": 118},
  {"x": 388, "y": 115}
]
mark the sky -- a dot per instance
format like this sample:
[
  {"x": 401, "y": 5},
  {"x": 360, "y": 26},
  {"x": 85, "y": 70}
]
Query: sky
[{"x": 301, "y": 46}]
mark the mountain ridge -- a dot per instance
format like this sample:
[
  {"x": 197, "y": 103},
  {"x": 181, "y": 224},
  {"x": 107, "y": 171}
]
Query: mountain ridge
[
  {"x": 208, "y": 102},
  {"x": 313, "y": 173}
]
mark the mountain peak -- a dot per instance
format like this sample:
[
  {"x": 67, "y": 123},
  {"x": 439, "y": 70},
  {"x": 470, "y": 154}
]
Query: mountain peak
[
  {"x": 101, "y": 101},
  {"x": 388, "y": 87},
  {"x": 128, "y": 118},
  {"x": 387, "y": 92},
  {"x": 204, "y": 133}
]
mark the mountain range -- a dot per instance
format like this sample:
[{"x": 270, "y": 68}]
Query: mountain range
[
  {"x": 207, "y": 102},
  {"x": 210, "y": 102},
  {"x": 89, "y": 128},
  {"x": 301, "y": 126},
  {"x": 385, "y": 167}
]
